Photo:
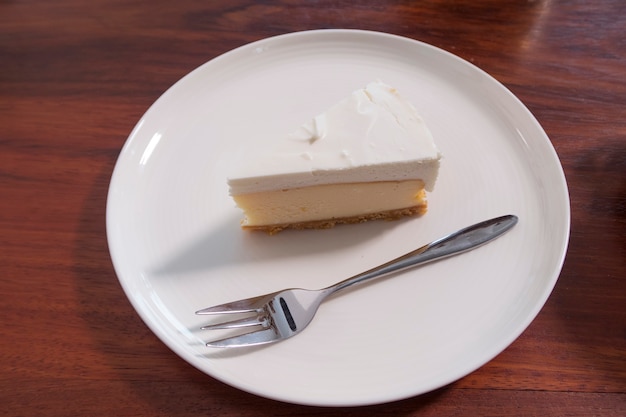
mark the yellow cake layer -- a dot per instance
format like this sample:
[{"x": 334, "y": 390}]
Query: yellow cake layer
[{"x": 328, "y": 202}]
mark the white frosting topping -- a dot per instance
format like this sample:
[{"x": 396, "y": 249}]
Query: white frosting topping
[{"x": 372, "y": 135}]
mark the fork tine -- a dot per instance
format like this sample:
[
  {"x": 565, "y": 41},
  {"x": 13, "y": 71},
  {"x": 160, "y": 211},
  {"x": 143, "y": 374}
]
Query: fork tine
[
  {"x": 240, "y": 306},
  {"x": 229, "y": 308},
  {"x": 248, "y": 339},
  {"x": 234, "y": 324}
]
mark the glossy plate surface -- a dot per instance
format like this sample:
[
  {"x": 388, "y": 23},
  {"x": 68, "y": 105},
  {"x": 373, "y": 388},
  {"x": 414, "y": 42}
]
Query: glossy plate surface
[{"x": 177, "y": 247}]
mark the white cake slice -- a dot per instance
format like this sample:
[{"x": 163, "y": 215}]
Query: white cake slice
[{"x": 370, "y": 156}]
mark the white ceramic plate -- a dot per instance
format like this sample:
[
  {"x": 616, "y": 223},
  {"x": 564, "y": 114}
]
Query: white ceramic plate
[{"x": 177, "y": 247}]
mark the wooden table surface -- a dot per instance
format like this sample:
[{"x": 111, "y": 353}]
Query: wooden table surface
[{"x": 75, "y": 77}]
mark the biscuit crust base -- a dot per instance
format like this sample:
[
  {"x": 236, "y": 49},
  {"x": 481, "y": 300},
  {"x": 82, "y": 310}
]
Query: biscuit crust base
[{"x": 388, "y": 215}]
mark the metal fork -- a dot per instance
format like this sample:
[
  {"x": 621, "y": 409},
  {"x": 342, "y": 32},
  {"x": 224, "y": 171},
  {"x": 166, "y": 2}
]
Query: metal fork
[{"x": 283, "y": 314}]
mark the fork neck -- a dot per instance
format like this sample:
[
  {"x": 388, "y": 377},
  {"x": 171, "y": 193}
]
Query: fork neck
[{"x": 452, "y": 244}]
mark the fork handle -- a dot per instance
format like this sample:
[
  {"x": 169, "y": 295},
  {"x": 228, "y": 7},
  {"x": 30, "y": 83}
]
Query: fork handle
[{"x": 458, "y": 242}]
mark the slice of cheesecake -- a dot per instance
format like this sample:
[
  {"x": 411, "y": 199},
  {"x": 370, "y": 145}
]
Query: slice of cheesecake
[{"x": 370, "y": 156}]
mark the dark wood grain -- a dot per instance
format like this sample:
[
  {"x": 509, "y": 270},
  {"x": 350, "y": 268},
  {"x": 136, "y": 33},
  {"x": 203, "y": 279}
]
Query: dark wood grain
[{"x": 75, "y": 76}]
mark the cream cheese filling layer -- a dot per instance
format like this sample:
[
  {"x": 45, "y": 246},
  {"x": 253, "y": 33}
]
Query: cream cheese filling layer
[{"x": 331, "y": 201}]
